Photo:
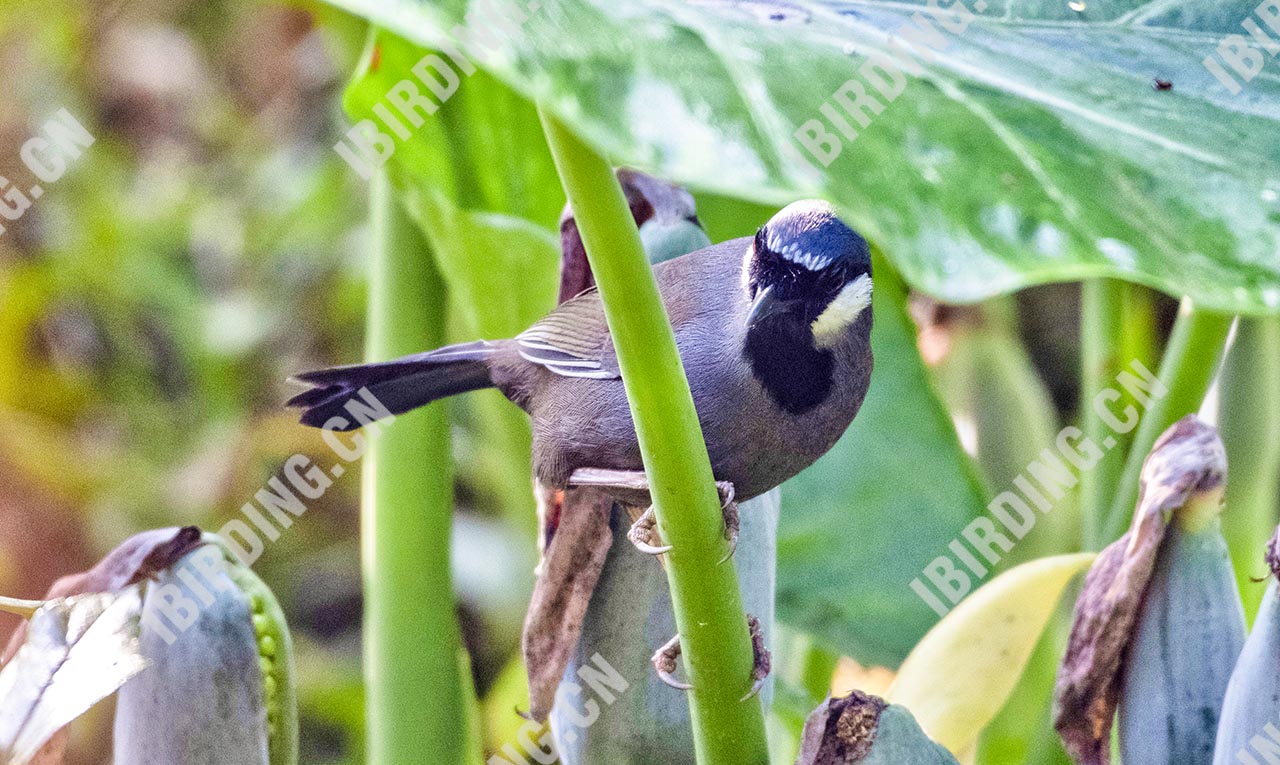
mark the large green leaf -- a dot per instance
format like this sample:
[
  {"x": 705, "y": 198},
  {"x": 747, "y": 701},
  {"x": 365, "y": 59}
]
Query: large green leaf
[{"x": 1032, "y": 148}]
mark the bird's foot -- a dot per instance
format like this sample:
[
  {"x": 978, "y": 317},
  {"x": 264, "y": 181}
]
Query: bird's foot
[
  {"x": 762, "y": 659},
  {"x": 644, "y": 534},
  {"x": 629, "y": 486},
  {"x": 729, "y": 511},
  {"x": 666, "y": 659}
]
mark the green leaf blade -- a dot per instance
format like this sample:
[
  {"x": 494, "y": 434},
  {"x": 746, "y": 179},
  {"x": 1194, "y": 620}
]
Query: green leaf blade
[{"x": 1032, "y": 149}]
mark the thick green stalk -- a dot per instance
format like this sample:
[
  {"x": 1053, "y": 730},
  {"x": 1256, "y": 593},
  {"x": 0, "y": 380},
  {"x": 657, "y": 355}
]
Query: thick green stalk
[
  {"x": 704, "y": 593},
  {"x": 1117, "y": 327},
  {"x": 1190, "y": 362},
  {"x": 413, "y": 686},
  {"x": 1250, "y": 422},
  {"x": 1015, "y": 421}
]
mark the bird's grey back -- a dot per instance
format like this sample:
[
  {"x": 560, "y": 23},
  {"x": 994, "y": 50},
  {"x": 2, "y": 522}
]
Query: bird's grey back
[{"x": 581, "y": 421}]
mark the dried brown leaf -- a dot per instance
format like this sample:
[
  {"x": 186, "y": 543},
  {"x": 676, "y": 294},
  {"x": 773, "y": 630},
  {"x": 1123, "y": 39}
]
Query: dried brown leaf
[
  {"x": 139, "y": 557},
  {"x": 1186, "y": 460},
  {"x": 572, "y": 561},
  {"x": 841, "y": 730}
]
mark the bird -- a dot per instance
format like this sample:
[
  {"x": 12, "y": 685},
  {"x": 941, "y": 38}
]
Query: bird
[{"x": 774, "y": 332}]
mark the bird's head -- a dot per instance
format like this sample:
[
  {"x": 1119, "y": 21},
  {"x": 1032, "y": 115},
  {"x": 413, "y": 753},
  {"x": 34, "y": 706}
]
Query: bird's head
[{"x": 806, "y": 268}]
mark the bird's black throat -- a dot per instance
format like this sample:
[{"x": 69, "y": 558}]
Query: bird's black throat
[{"x": 796, "y": 373}]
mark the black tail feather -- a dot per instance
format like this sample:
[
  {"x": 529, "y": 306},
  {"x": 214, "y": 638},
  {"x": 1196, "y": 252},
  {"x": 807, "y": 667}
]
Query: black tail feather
[{"x": 397, "y": 385}]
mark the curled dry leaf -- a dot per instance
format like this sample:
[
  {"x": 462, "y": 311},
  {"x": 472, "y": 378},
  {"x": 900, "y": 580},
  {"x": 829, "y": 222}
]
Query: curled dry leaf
[
  {"x": 139, "y": 557},
  {"x": 1186, "y": 461},
  {"x": 572, "y": 560},
  {"x": 78, "y": 650}
]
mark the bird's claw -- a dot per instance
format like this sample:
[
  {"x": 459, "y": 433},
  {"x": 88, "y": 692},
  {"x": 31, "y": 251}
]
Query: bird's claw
[
  {"x": 644, "y": 532},
  {"x": 731, "y": 522},
  {"x": 665, "y": 660},
  {"x": 649, "y": 549},
  {"x": 762, "y": 660},
  {"x": 726, "y": 491}
]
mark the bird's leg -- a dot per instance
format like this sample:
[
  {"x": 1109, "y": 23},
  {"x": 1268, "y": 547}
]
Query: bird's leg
[
  {"x": 630, "y": 485},
  {"x": 666, "y": 658}
]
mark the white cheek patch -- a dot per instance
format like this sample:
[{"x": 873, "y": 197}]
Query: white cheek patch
[{"x": 842, "y": 311}]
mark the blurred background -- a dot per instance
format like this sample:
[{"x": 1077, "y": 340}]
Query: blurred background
[{"x": 154, "y": 301}]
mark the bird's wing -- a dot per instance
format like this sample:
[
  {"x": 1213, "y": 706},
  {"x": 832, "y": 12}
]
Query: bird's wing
[{"x": 573, "y": 340}]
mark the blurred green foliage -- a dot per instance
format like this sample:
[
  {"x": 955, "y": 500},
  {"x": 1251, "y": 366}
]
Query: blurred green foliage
[{"x": 154, "y": 300}]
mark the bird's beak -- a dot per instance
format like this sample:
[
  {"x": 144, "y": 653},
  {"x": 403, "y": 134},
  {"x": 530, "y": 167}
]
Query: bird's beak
[{"x": 766, "y": 304}]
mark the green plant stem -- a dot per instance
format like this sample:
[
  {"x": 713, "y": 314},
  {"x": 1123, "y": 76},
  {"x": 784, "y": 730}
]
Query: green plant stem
[
  {"x": 1117, "y": 327},
  {"x": 1190, "y": 362},
  {"x": 1249, "y": 418},
  {"x": 413, "y": 686},
  {"x": 1015, "y": 421},
  {"x": 704, "y": 594}
]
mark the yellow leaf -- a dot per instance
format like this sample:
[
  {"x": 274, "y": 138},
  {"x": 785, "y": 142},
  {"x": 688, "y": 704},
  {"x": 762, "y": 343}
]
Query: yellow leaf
[{"x": 961, "y": 673}]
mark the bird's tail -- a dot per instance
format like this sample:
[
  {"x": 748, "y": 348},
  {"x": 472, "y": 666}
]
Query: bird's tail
[{"x": 397, "y": 385}]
